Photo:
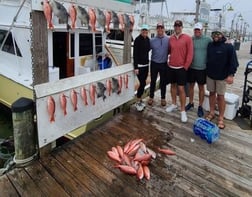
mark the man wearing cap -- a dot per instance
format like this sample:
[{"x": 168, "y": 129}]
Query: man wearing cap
[
  {"x": 221, "y": 66},
  {"x": 159, "y": 55},
  {"x": 181, "y": 54},
  {"x": 197, "y": 70},
  {"x": 141, "y": 63}
]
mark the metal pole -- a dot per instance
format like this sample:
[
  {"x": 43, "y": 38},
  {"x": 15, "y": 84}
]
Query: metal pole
[{"x": 197, "y": 11}]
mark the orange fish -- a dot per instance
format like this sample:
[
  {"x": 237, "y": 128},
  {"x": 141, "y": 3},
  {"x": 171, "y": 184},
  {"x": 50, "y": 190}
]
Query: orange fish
[
  {"x": 92, "y": 93},
  {"x": 48, "y": 13},
  {"x": 120, "y": 82},
  {"x": 72, "y": 14},
  {"x": 92, "y": 19},
  {"x": 121, "y": 21},
  {"x": 146, "y": 171},
  {"x": 126, "y": 80},
  {"x": 109, "y": 86},
  {"x": 166, "y": 151},
  {"x": 132, "y": 22},
  {"x": 51, "y": 108},
  {"x": 108, "y": 16},
  {"x": 63, "y": 103},
  {"x": 113, "y": 156},
  {"x": 84, "y": 96},
  {"x": 127, "y": 169},
  {"x": 140, "y": 172},
  {"x": 73, "y": 96}
]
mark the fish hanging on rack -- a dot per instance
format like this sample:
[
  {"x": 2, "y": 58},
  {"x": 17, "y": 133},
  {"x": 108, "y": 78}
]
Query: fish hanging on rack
[
  {"x": 108, "y": 16},
  {"x": 83, "y": 16},
  {"x": 126, "y": 80},
  {"x": 115, "y": 20},
  {"x": 48, "y": 13},
  {"x": 92, "y": 19},
  {"x": 115, "y": 86},
  {"x": 92, "y": 93},
  {"x": 121, "y": 21},
  {"x": 60, "y": 11},
  {"x": 101, "y": 18},
  {"x": 132, "y": 22},
  {"x": 126, "y": 20},
  {"x": 83, "y": 93},
  {"x": 63, "y": 103},
  {"x": 109, "y": 86},
  {"x": 51, "y": 108},
  {"x": 73, "y": 96},
  {"x": 100, "y": 90},
  {"x": 72, "y": 14}
]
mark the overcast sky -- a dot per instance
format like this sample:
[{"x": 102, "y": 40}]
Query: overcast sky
[{"x": 240, "y": 6}]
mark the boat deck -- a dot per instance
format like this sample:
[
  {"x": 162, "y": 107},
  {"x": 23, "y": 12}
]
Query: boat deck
[{"x": 81, "y": 167}]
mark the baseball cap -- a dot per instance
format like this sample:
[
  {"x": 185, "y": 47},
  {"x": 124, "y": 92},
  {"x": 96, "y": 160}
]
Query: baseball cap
[
  {"x": 198, "y": 26},
  {"x": 217, "y": 31},
  {"x": 178, "y": 23},
  {"x": 160, "y": 25},
  {"x": 145, "y": 27}
]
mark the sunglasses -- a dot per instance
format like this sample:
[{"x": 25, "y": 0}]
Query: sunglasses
[
  {"x": 177, "y": 25},
  {"x": 216, "y": 33}
]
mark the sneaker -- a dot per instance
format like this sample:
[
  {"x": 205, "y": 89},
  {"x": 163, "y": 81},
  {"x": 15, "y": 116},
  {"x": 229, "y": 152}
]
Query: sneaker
[
  {"x": 163, "y": 102},
  {"x": 143, "y": 104},
  {"x": 171, "y": 108},
  {"x": 189, "y": 106},
  {"x": 139, "y": 106},
  {"x": 200, "y": 112},
  {"x": 150, "y": 101},
  {"x": 183, "y": 116}
]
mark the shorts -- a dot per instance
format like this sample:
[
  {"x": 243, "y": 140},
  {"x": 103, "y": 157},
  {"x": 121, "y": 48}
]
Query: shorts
[
  {"x": 177, "y": 76},
  {"x": 198, "y": 76},
  {"x": 218, "y": 86}
]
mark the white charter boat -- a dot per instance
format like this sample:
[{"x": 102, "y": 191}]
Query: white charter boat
[{"x": 90, "y": 92}]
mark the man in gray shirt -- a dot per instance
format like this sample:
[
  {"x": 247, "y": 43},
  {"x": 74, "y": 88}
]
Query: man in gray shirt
[{"x": 159, "y": 55}]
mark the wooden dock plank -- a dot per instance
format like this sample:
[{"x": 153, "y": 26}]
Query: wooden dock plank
[
  {"x": 23, "y": 183},
  {"x": 64, "y": 177},
  {"x": 44, "y": 180},
  {"x": 6, "y": 187}
]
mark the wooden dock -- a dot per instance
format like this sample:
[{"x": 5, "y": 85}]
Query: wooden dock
[{"x": 81, "y": 167}]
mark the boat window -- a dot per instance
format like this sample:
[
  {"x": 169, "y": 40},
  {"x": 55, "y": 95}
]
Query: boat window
[
  {"x": 86, "y": 44},
  {"x": 9, "y": 45}
]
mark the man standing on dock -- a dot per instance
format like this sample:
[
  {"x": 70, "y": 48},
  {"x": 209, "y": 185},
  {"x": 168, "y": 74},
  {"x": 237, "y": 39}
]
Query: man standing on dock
[
  {"x": 159, "y": 56},
  {"x": 221, "y": 66},
  {"x": 181, "y": 55},
  {"x": 141, "y": 63},
  {"x": 197, "y": 71}
]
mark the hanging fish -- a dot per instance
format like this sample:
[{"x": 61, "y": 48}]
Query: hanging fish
[
  {"x": 72, "y": 14},
  {"x": 101, "y": 19},
  {"x": 120, "y": 82},
  {"x": 83, "y": 16},
  {"x": 92, "y": 93},
  {"x": 100, "y": 90},
  {"x": 84, "y": 95},
  {"x": 108, "y": 16},
  {"x": 121, "y": 21},
  {"x": 109, "y": 86},
  {"x": 115, "y": 86},
  {"x": 51, "y": 108},
  {"x": 48, "y": 13},
  {"x": 63, "y": 103},
  {"x": 115, "y": 20},
  {"x": 73, "y": 96},
  {"x": 132, "y": 22},
  {"x": 126, "y": 81},
  {"x": 60, "y": 11},
  {"x": 126, "y": 20},
  {"x": 92, "y": 19}
]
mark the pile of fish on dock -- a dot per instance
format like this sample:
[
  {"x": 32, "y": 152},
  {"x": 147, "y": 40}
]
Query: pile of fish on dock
[{"x": 134, "y": 158}]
